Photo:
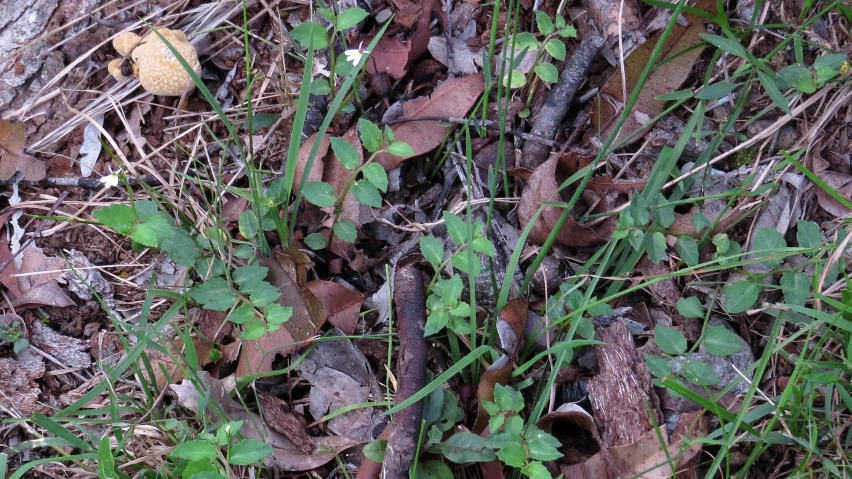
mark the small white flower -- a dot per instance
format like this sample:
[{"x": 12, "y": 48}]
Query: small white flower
[
  {"x": 110, "y": 180},
  {"x": 354, "y": 56}
]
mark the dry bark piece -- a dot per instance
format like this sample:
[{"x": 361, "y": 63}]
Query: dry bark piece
[
  {"x": 159, "y": 70},
  {"x": 673, "y": 68},
  {"x": 18, "y": 387},
  {"x": 71, "y": 352},
  {"x": 617, "y": 21},
  {"x": 410, "y": 301},
  {"x": 451, "y": 99},
  {"x": 555, "y": 107},
  {"x": 279, "y": 417},
  {"x": 12, "y": 156}
]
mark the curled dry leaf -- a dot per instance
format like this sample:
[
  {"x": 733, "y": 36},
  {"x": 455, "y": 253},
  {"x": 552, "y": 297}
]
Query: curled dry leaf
[
  {"x": 35, "y": 284},
  {"x": 343, "y": 304},
  {"x": 680, "y": 52},
  {"x": 286, "y": 455},
  {"x": 12, "y": 156},
  {"x": 839, "y": 182},
  {"x": 451, "y": 99},
  {"x": 287, "y": 272},
  {"x": 541, "y": 188},
  {"x": 394, "y": 56}
]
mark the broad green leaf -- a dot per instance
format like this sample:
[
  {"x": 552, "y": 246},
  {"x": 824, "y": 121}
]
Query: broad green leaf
[
  {"x": 350, "y": 17},
  {"x": 740, "y": 296},
  {"x": 320, "y": 193},
  {"x": 658, "y": 366},
  {"x": 796, "y": 288},
  {"x": 717, "y": 90},
  {"x": 687, "y": 248},
  {"x": 400, "y": 148},
  {"x": 638, "y": 211},
  {"x": 456, "y": 227},
  {"x": 547, "y": 72},
  {"x": 464, "y": 447},
  {"x": 699, "y": 374},
  {"x": 376, "y": 174},
  {"x": 263, "y": 294},
  {"x": 345, "y": 230},
  {"x": 636, "y": 237},
  {"x": 827, "y": 66},
  {"x": 699, "y": 221},
  {"x": 315, "y": 241},
  {"x": 721, "y": 341},
  {"x": 243, "y": 314},
  {"x": 375, "y": 451},
  {"x": 536, "y": 470},
  {"x": 277, "y": 314},
  {"x": 690, "y": 307},
  {"x": 798, "y": 77},
  {"x": 195, "y": 450},
  {"x": 249, "y": 451},
  {"x": 808, "y": 234},
  {"x": 513, "y": 455},
  {"x": 432, "y": 250},
  {"x": 483, "y": 245},
  {"x": 434, "y": 469},
  {"x": 367, "y": 194},
  {"x": 767, "y": 245},
  {"x": 525, "y": 41},
  {"x": 310, "y": 35},
  {"x": 252, "y": 273},
  {"x": 556, "y": 48},
  {"x": 253, "y": 330},
  {"x": 656, "y": 246},
  {"x": 345, "y": 152},
  {"x": 670, "y": 340},
  {"x": 118, "y": 217},
  {"x": 181, "y": 248},
  {"x": 371, "y": 135},
  {"x": 249, "y": 224},
  {"x": 514, "y": 79},
  {"x": 544, "y": 23},
  {"x": 436, "y": 322},
  {"x": 261, "y": 120},
  {"x": 214, "y": 294},
  {"x": 461, "y": 260}
]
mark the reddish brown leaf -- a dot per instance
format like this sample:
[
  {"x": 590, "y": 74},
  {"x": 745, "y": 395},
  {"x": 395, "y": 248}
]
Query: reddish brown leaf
[
  {"x": 318, "y": 164},
  {"x": 342, "y": 303},
  {"x": 451, "y": 99},
  {"x": 12, "y": 156},
  {"x": 394, "y": 56},
  {"x": 839, "y": 182},
  {"x": 497, "y": 373},
  {"x": 30, "y": 290},
  {"x": 511, "y": 323},
  {"x": 542, "y": 187},
  {"x": 672, "y": 70}
]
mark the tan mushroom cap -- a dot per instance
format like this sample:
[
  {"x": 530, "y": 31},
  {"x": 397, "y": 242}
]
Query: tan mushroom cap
[
  {"x": 125, "y": 43},
  {"x": 159, "y": 70},
  {"x": 114, "y": 69}
]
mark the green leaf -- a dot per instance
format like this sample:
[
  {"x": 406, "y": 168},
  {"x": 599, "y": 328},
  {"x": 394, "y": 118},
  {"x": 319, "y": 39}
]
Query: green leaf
[
  {"x": 656, "y": 246},
  {"x": 214, "y": 294},
  {"x": 277, "y": 314},
  {"x": 670, "y": 340},
  {"x": 536, "y": 470},
  {"x": 249, "y": 224},
  {"x": 508, "y": 398},
  {"x": 461, "y": 260},
  {"x": 658, "y": 366},
  {"x": 345, "y": 230},
  {"x": 547, "y": 72},
  {"x": 400, "y": 149},
  {"x": 367, "y": 194},
  {"x": 263, "y": 294},
  {"x": 371, "y": 135},
  {"x": 320, "y": 87},
  {"x": 796, "y": 288},
  {"x": 436, "y": 322},
  {"x": 515, "y": 79},
  {"x": 118, "y": 217},
  {"x": 727, "y": 45},
  {"x": 310, "y": 35},
  {"x": 434, "y": 470},
  {"x": 699, "y": 221},
  {"x": 638, "y": 211},
  {"x": 798, "y": 77},
  {"x": 556, "y": 48},
  {"x": 249, "y": 451},
  {"x": 320, "y": 193},
  {"x": 717, "y": 90},
  {"x": 722, "y": 243},
  {"x": 106, "y": 461},
  {"x": 808, "y": 234},
  {"x": 155, "y": 228},
  {"x": 568, "y": 32},
  {"x": 827, "y": 66},
  {"x": 456, "y": 228},
  {"x": 721, "y": 341},
  {"x": 464, "y": 447},
  {"x": 676, "y": 95},
  {"x": 525, "y": 41},
  {"x": 432, "y": 250},
  {"x": 375, "y": 451},
  {"x": 774, "y": 93},
  {"x": 253, "y": 330},
  {"x": 483, "y": 245},
  {"x": 377, "y": 176},
  {"x": 767, "y": 243},
  {"x": 544, "y": 23},
  {"x": 181, "y": 248},
  {"x": 664, "y": 215},
  {"x": 345, "y": 152},
  {"x": 243, "y": 314},
  {"x": 541, "y": 449},
  {"x": 350, "y": 17},
  {"x": 740, "y": 296},
  {"x": 636, "y": 237},
  {"x": 315, "y": 241},
  {"x": 145, "y": 208},
  {"x": 261, "y": 120},
  {"x": 513, "y": 455},
  {"x": 690, "y": 307},
  {"x": 245, "y": 275},
  {"x": 687, "y": 248},
  {"x": 699, "y": 374},
  {"x": 195, "y": 450}
]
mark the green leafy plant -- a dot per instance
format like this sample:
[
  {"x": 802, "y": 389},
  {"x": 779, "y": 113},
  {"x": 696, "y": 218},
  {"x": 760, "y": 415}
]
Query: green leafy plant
[
  {"x": 14, "y": 334},
  {"x": 211, "y": 454},
  {"x": 552, "y": 43}
]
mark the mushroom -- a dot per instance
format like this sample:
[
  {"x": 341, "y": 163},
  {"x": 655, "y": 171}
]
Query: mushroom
[
  {"x": 114, "y": 69},
  {"x": 125, "y": 42},
  {"x": 158, "y": 69}
]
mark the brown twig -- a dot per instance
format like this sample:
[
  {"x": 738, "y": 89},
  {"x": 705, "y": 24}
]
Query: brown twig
[
  {"x": 555, "y": 107},
  {"x": 410, "y": 300}
]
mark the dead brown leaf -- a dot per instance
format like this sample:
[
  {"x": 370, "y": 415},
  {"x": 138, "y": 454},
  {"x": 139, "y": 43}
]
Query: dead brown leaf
[
  {"x": 451, "y": 99},
  {"x": 279, "y": 417},
  {"x": 392, "y": 55},
  {"x": 318, "y": 165},
  {"x": 672, "y": 70},
  {"x": 32, "y": 282},
  {"x": 839, "y": 182},
  {"x": 343, "y": 304},
  {"x": 12, "y": 156}
]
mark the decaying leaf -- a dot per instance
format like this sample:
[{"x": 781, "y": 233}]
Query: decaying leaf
[
  {"x": 673, "y": 68},
  {"x": 451, "y": 99},
  {"x": 839, "y": 182},
  {"x": 287, "y": 271},
  {"x": 394, "y": 56},
  {"x": 342, "y": 303},
  {"x": 12, "y": 156},
  {"x": 279, "y": 417},
  {"x": 286, "y": 455},
  {"x": 35, "y": 283},
  {"x": 317, "y": 166},
  {"x": 542, "y": 187}
]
